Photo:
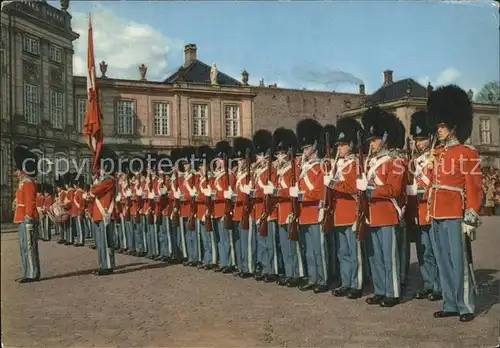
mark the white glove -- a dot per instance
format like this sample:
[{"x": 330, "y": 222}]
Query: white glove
[
  {"x": 151, "y": 195},
  {"x": 163, "y": 191},
  {"x": 228, "y": 194},
  {"x": 192, "y": 193},
  {"x": 128, "y": 193},
  {"x": 327, "y": 179},
  {"x": 411, "y": 190},
  {"x": 138, "y": 192},
  {"x": 85, "y": 195},
  {"x": 245, "y": 189},
  {"x": 469, "y": 230},
  {"x": 362, "y": 184},
  {"x": 92, "y": 195},
  {"x": 207, "y": 192},
  {"x": 294, "y": 191},
  {"x": 268, "y": 189},
  {"x": 177, "y": 194},
  {"x": 118, "y": 197}
]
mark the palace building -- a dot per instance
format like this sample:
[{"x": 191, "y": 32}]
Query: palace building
[{"x": 43, "y": 105}]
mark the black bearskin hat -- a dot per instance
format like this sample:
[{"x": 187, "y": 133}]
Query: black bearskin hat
[
  {"x": 262, "y": 141},
  {"x": 347, "y": 132},
  {"x": 47, "y": 188},
  {"x": 223, "y": 148},
  {"x": 151, "y": 160},
  {"x": 204, "y": 155},
  {"x": 309, "y": 131},
  {"x": 137, "y": 164},
  {"x": 80, "y": 182},
  {"x": 59, "y": 182},
  {"x": 164, "y": 163},
  {"x": 68, "y": 179},
  {"x": 124, "y": 166},
  {"x": 375, "y": 122},
  {"x": 396, "y": 132},
  {"x": 26, "y": 161},
  {"x": 330, "y": 135},
  {"x": 451, "y": 106},
  {"x": 241, "y": 146},
  {"x": 419, "y": 127},
  {"x": 108, "y": 160},
  {"x": 284, "y": 139}
]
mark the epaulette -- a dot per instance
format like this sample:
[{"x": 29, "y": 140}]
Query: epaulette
[{"x": 471, "y": 147}]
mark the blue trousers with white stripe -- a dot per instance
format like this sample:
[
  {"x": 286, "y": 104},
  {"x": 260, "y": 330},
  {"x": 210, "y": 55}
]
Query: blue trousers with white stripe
[
  {"x": 181, "y": 237},
  {"x": 152, "y": 238},
  {"x": 193, "y": 243},
  {"x": 28, "y": 246},
  {"x": 314, "y": 244},
  {"x": 286, "y": 252},
  {"x": 383, "y": 253},
  {"x": 426, "y": 259},
  {"x": 223, "y": 244},
  {"x": 248, "y": 248},
  {"x": 104, "y": 244},
  {"x": 209, "y": 245},
  {"x": 79, "y": 224},
  {"x": 129, "y": 232},
  {"x": 448, "y": 244},
  {"x": 268, "y": 250},
  {"x": 349, "y": 255}
]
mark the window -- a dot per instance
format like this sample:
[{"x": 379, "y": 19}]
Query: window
[
  {"x": 200, "y": 120},
  {"x": 31, "y": 104},
  {"x": 81, "y": 110},
  {"x": 125, "y": 113},
  {"x": 485, "y": 131},
  {"x": 55, "y": 54},
  {"x": 161, "y": 118},
  {"x": 31, "y": 45},
  {"x": 56, "y": 109},
  {"x": 232, "y": 117}
]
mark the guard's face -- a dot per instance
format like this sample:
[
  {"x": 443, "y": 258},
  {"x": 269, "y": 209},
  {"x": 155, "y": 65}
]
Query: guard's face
[
  {"x": 422, "y": 144},
  {"x": 17, "y": 172},
  {"x": 219, "y": 163},
  {"x": 443, "y": 131},
  {"x": 307, "y": 150},
  {"x": 375, "y": 144},
  {"x": 342, "y": 149},
  {"x": 260, "y": 157}
]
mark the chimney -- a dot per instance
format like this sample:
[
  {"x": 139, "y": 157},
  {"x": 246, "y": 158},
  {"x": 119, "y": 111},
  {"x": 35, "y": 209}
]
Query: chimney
[
  {"x": 189, "y": 54},
  {"x": 387, "y": 78},
  {"x": 362, "y": 89}
]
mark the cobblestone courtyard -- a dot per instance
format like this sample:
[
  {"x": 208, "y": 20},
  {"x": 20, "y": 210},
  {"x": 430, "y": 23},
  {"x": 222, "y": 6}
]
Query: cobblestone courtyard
[{"x": 150, "y": 304}]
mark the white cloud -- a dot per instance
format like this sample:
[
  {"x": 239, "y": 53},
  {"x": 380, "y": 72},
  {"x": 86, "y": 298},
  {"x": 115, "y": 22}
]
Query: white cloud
[
  {"x": 447, "y": 76},
  {"x": 123, "y": 45}
]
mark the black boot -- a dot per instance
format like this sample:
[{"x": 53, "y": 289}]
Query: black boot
[
  {"x": 319, "y": 289},
  {"x": 465, "y": 318},
  {"x": 420, "y": 295},
  {"x": 374, "y": 300},
  {"x": 389, "y": 302},
  {"x": 435, "y": 296},
  {"x": 341, "y": 292},
  {"x": 307, "y": 287},
  {"x": 354, "y": 294},
  {"x": 443, "y": 314}
]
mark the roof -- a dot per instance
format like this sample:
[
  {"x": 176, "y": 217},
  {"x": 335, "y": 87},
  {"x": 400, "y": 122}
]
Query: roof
[
  {"x": 199, "y": 72},
  {"x": 397, "y": 90}
]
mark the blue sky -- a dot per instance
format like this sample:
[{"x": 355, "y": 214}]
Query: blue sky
[{"x": 312, "y": 44}]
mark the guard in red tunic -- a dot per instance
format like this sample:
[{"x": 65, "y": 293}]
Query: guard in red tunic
[
  {"x": 47, "y": 204},
  {"x": 243, "y": 236},
  {"x": 40, "y": 198},
  {"x": 177, "y": 197},
  {"x": 68, "y": 205},
  {"x": 310, "y": 193},
  {"x": 418, "y": 192},
  {"x": 205, "y": 155},
  {"x": 454, "y": 199},
  {"x": 104, "y": 191},
  {"x": 61, "y": 224},
  {"x": 342, "y": 180},
  {"x": 26, "y": 214},
  {"x": 78, "y": 212},
  {"x": 284, "y": 145},
  {"x": 383, "y": 184}
]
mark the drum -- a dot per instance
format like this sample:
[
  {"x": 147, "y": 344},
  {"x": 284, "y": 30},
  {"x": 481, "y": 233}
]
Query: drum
[{"x": 60, "y": 214}]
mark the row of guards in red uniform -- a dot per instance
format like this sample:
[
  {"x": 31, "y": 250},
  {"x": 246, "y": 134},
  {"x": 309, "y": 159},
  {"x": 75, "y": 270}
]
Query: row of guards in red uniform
[{"x": 318, "y": 208}]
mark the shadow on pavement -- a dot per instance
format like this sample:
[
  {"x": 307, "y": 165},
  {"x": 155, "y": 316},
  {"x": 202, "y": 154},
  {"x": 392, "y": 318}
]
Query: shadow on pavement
[
  {"x": 141, "y": 268},
  {"x": 88, "y": 271},
  {"x": 489, "y": 290}
]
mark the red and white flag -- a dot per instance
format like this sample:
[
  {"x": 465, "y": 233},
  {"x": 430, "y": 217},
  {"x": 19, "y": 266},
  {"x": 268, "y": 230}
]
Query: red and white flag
[{"x": 92, "y": 125}]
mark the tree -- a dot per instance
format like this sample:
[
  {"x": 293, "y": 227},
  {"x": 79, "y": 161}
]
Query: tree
[{"x": 490, "y": 93}]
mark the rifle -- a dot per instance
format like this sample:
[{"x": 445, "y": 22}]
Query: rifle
[
  {"x": 247, "y": 203},
  {"x": 293, "y": 227},
  {"x": 177, "y": 202},
  {"x": 209, "y": 205},
  {"x": 328, "y": 212},
  {"x": 127, "y": 199},
  {"x": 363, "y": 213},
  {"x": 411, "y": 213},
  {"x": 192, "y": 204},
  {"x": 267, "y": 200},
  {"x": 228, "y": 208}
]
